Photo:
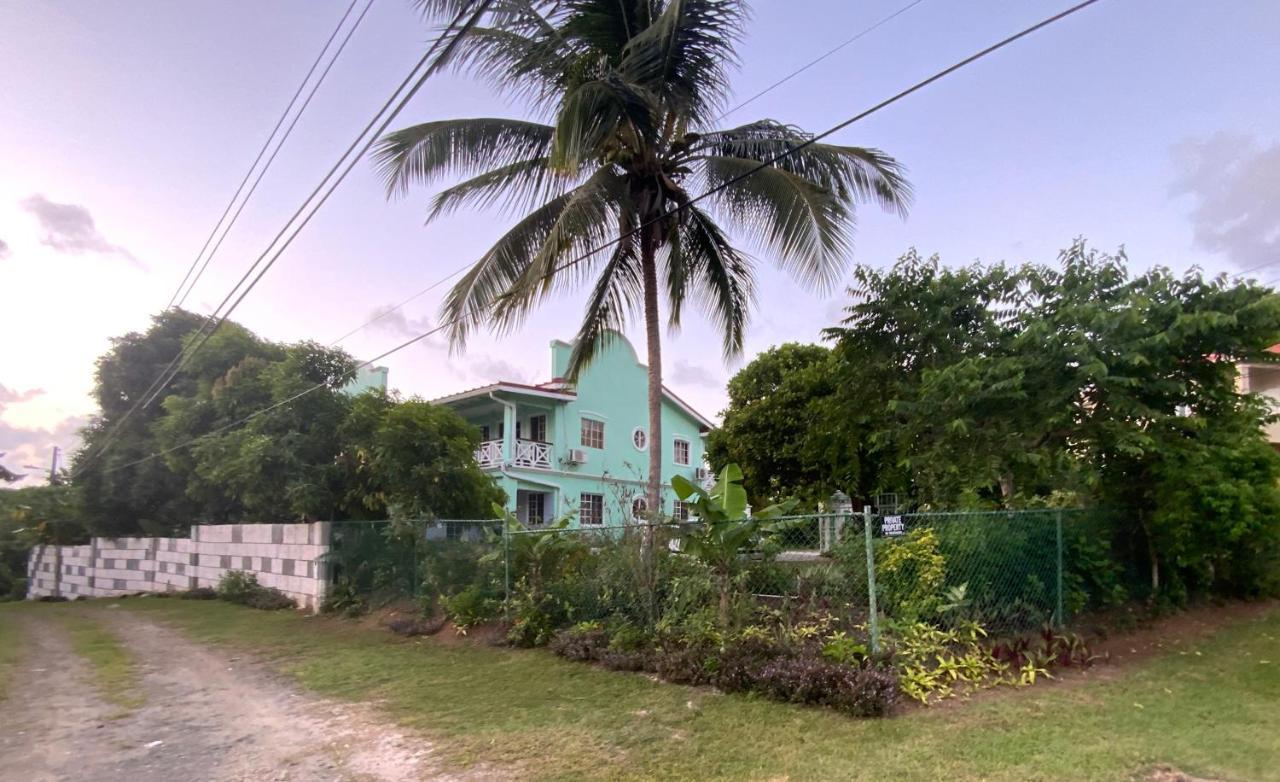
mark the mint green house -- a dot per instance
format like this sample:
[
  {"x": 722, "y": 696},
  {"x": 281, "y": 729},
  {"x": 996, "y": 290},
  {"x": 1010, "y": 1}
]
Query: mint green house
[{"x": 558, "y": 447}]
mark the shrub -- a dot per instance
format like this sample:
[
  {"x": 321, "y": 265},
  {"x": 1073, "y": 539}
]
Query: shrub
[
  {"x": 237, "y": 586},
  {"x": 472, "y": 606},
  {"x": 861, "y": 692},
  {"x": 51, "y": 599},
  {"x": 270, "y": 599},
  {"x": 199, "y": 593},
  {"x": 410, "y": 626},
  {"x": 584, "y": 642}
]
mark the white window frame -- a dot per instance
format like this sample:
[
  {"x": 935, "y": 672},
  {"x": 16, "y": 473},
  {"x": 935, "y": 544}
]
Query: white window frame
[
  {"x": 639, "y": 507},
  {"x": 640, "y": 432},
  {"x": 583, "y": 505},
  {"x": 583, "y": 432},
  {"x": 680, "y": 511},
  {"x": 688, "y": 451}
]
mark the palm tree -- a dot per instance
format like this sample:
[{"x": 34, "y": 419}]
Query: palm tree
[{"x": 628, "y": 92}]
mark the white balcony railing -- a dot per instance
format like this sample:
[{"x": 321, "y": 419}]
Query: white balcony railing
[
  {"x": 529, "y": 453},
  {"x": 489, "y": 454}
]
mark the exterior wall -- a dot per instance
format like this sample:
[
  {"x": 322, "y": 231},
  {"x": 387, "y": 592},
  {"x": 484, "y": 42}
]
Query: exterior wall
[
  {"x": 288, "y": 557},
  {"x": 1264, "y": 380},
  {"x": 613, "y": 389}
]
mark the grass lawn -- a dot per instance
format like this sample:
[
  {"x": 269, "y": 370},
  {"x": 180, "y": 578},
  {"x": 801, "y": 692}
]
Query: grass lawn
[
  {"x": 113, "y": 668},
  {"x": 1211, "y": 709},
  {"x": 10, "y": 650}
]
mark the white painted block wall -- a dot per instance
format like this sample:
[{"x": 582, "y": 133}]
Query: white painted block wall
[{"x": 289, "y": 557}]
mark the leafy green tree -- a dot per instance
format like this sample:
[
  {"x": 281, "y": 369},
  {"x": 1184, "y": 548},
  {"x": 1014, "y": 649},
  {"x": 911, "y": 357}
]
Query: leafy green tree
[
  {"x": 1000, "y": 386},
  {"x": 625, "y": 97},
  {"x": 30, "y": 516},
  {"x": 412, "y": 459},
  {"x": 775, "y": 427}
]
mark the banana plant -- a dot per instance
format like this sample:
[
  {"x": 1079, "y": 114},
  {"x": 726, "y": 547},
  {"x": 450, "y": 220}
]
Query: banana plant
[{"x": 724, "y": 532}]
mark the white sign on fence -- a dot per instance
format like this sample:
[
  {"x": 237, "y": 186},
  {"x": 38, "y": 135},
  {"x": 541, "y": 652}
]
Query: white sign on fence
[{"x": 893, "y": 526}]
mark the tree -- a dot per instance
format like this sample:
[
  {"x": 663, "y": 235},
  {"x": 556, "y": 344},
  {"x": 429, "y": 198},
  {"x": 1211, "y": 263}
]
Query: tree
[
  {"x": 243, "y": 434},
  {"x": 775, "y": 427},
  {"x": 412, "y": 459},
  {"x": 995, "y": 386},
  {"x": 628, "y": 93},
  {"x": 28, "y": 517}
]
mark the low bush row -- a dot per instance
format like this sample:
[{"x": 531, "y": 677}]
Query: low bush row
[{"x": 748, "y": 662}]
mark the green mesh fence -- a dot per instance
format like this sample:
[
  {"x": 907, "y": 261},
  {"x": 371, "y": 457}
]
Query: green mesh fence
[
  {"x": 379, "y": 562},
  {"x": 1010, "y": 571}
]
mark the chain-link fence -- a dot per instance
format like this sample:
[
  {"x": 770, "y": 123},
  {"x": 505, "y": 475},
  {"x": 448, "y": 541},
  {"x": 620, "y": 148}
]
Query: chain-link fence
[{"x": 1010, "y": 571}]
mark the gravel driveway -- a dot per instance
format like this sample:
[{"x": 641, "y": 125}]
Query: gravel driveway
[{"x": 207, "y": 716}]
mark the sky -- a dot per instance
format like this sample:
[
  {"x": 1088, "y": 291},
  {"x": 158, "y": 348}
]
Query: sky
[{"x": 125, "y": 126}]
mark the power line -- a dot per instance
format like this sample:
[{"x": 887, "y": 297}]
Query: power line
[
  {"x": 684, "y": 205},
  {"x": 146, "y": 397},
  {"x": 265, "y": 146},
  {"x": 354, "y": 159},
  {"x": 846, "y": 43},
  {"x": 822, "y": 57},
  {"x": 184, "y": 356}
]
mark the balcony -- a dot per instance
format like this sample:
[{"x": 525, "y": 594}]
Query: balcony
[{"x": 529, "y": 453}]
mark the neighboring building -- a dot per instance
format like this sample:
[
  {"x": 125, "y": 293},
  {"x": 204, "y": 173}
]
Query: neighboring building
[
  {"x": 367, "y": 378},
  {"x": 1264, "y": 379},
  {"x": 557, "y": 447}
]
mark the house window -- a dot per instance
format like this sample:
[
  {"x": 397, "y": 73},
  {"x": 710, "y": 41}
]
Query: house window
[
  {"x": 484, "y": 433},
  {"x": 592, "y": 433},
  {"x": 682, "y": 451},
  {"x": 590, "y": 509},
  {"x": 538, "y": 428},
  {"x": 639, "y": 438},
  {"x": 534, "y": 508},
  {"x": 639, "y": 507},
  {"x": 680, "y": 511}
]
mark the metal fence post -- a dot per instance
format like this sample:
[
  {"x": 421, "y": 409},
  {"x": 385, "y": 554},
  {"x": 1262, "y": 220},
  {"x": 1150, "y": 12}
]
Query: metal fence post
[
  {"x": 1060, "y": 614},
  {"x": 873, "y": 621},
  {"x": 506, "y": 569}
]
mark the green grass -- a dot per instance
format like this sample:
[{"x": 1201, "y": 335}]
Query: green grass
[
  {"x": 11, "y": 649},
  {"x": 1215, "y": 713},
  {"x": 113, "y": 668}
]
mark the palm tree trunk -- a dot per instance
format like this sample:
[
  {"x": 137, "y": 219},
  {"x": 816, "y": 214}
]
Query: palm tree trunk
[{"x": 653, "y": 338}]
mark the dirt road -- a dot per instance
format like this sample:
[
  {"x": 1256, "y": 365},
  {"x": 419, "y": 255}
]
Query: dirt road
[{"x": 207, "y": 716}]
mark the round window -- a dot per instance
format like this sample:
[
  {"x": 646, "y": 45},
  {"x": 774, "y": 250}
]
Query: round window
[
  {"x": 640, "y": 438},
  {"x": 638, "y": 507}
]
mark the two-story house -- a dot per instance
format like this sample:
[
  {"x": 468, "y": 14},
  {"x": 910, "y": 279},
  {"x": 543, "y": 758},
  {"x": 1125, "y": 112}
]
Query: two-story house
[{"x": 557, "y": 447}]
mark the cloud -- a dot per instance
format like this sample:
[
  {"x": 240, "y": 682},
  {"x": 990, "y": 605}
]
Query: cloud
[
  {"x": 8, "y": 396},
  {"x": 1235, "y": 182},
  {"x": 4, "y": 249},
  {"x": 694, "y": 375},
  {"x": 387, "y": 318},
  {"x": 23, "y": 446},
  {"x": 69, "y": 228},
  {"x": 488, "y": 369}
]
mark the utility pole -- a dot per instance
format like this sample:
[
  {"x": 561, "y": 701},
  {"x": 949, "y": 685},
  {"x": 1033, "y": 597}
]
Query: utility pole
[{"x": 53, "y": 466}]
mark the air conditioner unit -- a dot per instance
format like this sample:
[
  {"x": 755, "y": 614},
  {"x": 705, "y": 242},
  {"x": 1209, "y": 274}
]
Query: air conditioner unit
[
  {"x": 577, "y": 456},
  {"x": 703, "y": 474}
]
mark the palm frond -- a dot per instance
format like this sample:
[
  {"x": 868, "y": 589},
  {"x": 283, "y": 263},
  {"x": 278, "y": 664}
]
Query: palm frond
[
  {"x": 521, "y": 266},
  {"x": 618, "y": 291},
  {"x": 594, "y": 114},
  {"x": 806, "y": 225},
  {"x": 684, "y": 56},
  {"x": 422, "y": 153},
  {"x": 856, "y": 173},
  {"x": 702, "y": 261},
  {"x": 518, "y": 186}
]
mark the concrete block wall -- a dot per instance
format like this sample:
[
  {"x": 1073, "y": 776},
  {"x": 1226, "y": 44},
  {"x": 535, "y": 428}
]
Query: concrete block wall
[{"x": 288, "y": 557}]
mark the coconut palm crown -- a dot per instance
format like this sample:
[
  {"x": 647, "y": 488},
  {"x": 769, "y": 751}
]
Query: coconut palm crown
[{"x": 625, "y": 96}]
